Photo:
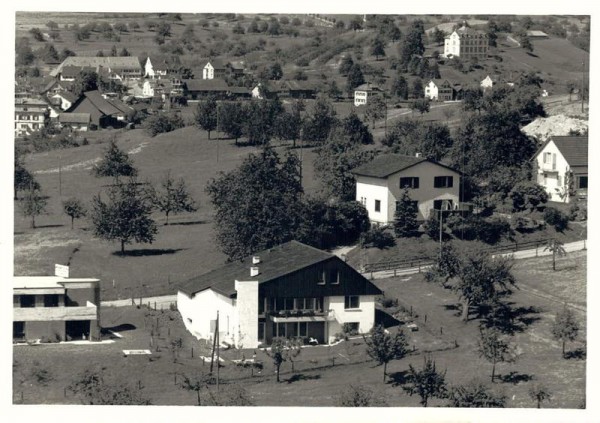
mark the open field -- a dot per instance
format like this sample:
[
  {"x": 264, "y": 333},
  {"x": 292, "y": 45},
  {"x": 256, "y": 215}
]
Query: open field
[
  {"x": 315, "y": 381},
  {"x": 183, "y": 249}
]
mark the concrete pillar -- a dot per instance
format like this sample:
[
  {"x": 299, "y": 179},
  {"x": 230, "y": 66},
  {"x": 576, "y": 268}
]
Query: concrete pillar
[{"x": 247, "y": 313}]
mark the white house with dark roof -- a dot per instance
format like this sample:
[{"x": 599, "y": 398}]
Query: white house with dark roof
[
  {"x": 381, "y": 182},
  {"x": 466, "y": 43},
  {"x": 562, "y": 167},
  {"x": 439, "y": 90},
  {"x": 363, "y": 92},
  {"x": 214, "y": 68},
  {"x": 291, "y": 290}
]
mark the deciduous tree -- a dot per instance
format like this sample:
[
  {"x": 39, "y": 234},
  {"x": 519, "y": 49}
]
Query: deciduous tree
[
  {"x": 383, "y": 347},
  {"x": 475, "y": 395},
  {"x": 205, "y": 115},
  {"x": 74, "y": 208},
  {"x": 539, "y": 393},
  {"x": 565, "y": 327},
  {"x": 115, "y": 163},
  {"x": 92, "y": 389},
  {"x": 376, "y": 109},
  {"x": 173, "y": 197},
  {"x": 557, "y": 248},
  {"x": 494, "y": 348},
  {"x": 359, "y": 396},
  {"x": 283, "y": 350},
  {"x": 427, "y": 383},
  {"x": 33, "y": 204},
  {"x": 124, "y": 216}
]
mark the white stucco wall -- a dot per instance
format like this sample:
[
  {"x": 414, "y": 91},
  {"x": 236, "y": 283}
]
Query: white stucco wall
[
  {"x": 360, "y": 98},
  {"x": 364, "y": 315},
  {"x": 374, "y": 189},
  {"x": 197, "y": 313},
  {"x": 246, "y": 333},
  {"x": 431, "y": 91},
  {"x": 452, "y": 45},
  {"x": 548, "y": 175},
  {"x": 148, "y": 68},
  {"x": 208, "y": 72}
]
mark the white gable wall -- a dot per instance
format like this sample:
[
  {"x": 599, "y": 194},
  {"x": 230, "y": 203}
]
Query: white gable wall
[
  {"x": 364, "y": 315},
  {"x": 431, "y": 91},
  {"x": 452, "y": 45},
  {"x": 368, "y": 190},
  {"x": 208, "y": 72},
  {"x": 198, "y": 312},
  {"x": 551, "y": 175}
]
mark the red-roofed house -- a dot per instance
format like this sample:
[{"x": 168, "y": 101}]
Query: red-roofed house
[
  {"x": 381, "y": 182},
  {"x": 291, "y": 290},
  {"x": 562, "y": 167}
]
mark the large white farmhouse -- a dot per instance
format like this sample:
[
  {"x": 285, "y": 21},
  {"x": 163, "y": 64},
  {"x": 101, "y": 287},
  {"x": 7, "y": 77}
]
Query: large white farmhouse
[
  {"x": 292, "y": 290},
  {"x": 562, "y": 167},
  {"x": 381, "y": 182},
  {"x": 466, "y": 43}
]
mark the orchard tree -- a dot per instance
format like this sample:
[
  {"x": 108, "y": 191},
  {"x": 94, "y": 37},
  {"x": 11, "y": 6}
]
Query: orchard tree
[
  {"x": 231, "y": 119},
  {"x": 376, "y": 109},
  {"x": 494, "y": 348},
  {"x": 245, "y": 225},
  {"x": 23, "y": 178},
  {"x": 412, "y": 44},
  {"x": 405, "y": 216},
  {"x": 400, "y": 87},
  {"x": 378, "y": 48},
  {"x": 319, "y": 122},
  {"x": 556, "y": 248},
  {"x": 408, "y": 137},
  {"x": 283, "y": 350},
  {"x": 74, "y": 208},
  {"x": 383, "y": 347},
  {"x": 475, "y": 395},
  {"x": 346, "y": 65},
  {"x": 354, "y": 79},
  {"x": 115, "y": 163},
  {"x": 539, "y": 393},
  {"x": 420, "y": 105},
  {"x": 206, "y": 116},
  {"x": 173, "y": 197},
  {"x": 355, "y": 130},
  {"x": 427, "y": 383},
  {"x": 565, "y": 327},
  {"x": 124, "y": 216},
  {"x": 92, "y": 389},
  {"x": 359, "y": 396},
  {"x": 33, "y": 204}
]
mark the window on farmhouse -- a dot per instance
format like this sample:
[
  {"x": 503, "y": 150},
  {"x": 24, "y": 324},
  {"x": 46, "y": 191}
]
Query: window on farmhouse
[
  {"x": 351, "y": 301},
  {"x": 409, "y": 182},
  {"x": 443, "y": 182}
]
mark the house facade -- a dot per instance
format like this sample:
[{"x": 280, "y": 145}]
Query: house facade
[
  {"x": 30, "y": 116},
  {"x": 214, "y": 69},
  {"x": 291, "y": 290},
  {"x": 466, "y": 43},
  {"x": 56, "y": 308},
  {"x": 439, "y": 90},
  {"x": 487, "y": 83},
  {"x": 75, "y": 121},
  {"x": 562, "y": 168},
  {"x": 381, "y": 182},
  {"x": 119, "y": 68},
  {"x": 363, "y": 92}
]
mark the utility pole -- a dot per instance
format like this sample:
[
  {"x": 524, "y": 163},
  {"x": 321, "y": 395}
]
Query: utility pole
[
  {"x": 441, "y": 232},
  {"x": 59, "y": 175},
  {"x": 212, "y": 355},
  {"x": 218, "y": 356}
]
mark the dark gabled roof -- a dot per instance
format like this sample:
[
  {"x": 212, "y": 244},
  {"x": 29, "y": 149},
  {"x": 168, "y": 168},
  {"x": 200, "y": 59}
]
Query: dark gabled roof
[
  {"x": 240, "y": 90},
  {"x": 74, "y": 118},
  {"x": 68, "y": 95},
  {"x": 574, "y": 149},
  {"x": 205, "y": 85},
  {"x": 367, "y": 87},
  {"x": 124, "y": 108},
  {"x": 217, "y": 63},
  {"x": 388, "y": 164},
  {"x": 164, "y": 60},
  {"x": 440, "y": 82},
  {"x": 294, "y": 85},
  {"x": 112, "y": 62},
  {"x": 274, "y": 263},
  {"x": 101, "y": 103},
  {"x": 464, "y": 30}
]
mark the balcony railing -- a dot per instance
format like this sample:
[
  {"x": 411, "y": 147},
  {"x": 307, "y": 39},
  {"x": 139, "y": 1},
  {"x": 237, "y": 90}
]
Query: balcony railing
[{"x": 301, "y": 315}]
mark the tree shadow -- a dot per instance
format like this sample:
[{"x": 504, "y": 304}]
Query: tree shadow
[
  {"x": 119, "y": 328},
  {"x": 398, "y": 378},
  {"x": 144, "y": 252},
  {"x": 48, "y": 226},
  {"x": 194, "y": 222},
  {"x": 510, "y": 320},
  {"x": 515, "y": 378},
  {"x": 531, "y": 54},
  {"x": 300, "y": 376},
  {"x": 385, "y": 319},
  {"x": 578, "y": 354}
]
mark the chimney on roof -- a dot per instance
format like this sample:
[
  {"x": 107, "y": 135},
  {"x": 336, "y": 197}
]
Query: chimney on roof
[
  {"x": 254, "y": 271},
  {"x": 255, "y": 259}
]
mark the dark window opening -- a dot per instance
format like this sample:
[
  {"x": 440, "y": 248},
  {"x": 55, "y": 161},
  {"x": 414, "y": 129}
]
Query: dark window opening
[
  {"x": 583, "y": 182},
  {"x": 334, "y": 277},
  {"x": 377, "y": 205},
  {"x": 77, "y": 329},
  {"x": 18, "y": 330},
  {"x": 443, "y": 182},
  {"x": 351, "y": 301},
  {"x": 409, "y": 182},
  {"x": 51, "y": 300},
  {"x": 27, "y": 301}
]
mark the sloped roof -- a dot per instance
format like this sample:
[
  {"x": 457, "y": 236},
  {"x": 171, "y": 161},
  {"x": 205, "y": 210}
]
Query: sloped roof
[
  {"x": 101, "y": 103},
  {"x": 205, "y": 85},
  {"x": 73, "y": 71},
  {"x": 469, "y": 31},
  {"x": 164, "y": 59},
  {"x": 367, "y": 87},
  {"x": 112, "y": 62},
  {"x": 217, "y": 63},
  {"x": 294, "y": 85},
  {"x": 67, "y": 95},
  {"x": 274, "y": 263},
  {"x": 574, "y": 149},
  {"x": 439, "y": 82},
  {"x": 74, "y": 118},
  {"x": 388, "y": 164}
]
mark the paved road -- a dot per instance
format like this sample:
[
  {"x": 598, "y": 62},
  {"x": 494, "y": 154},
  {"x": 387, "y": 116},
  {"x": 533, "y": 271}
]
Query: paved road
[{"x": 572, "y": 246}]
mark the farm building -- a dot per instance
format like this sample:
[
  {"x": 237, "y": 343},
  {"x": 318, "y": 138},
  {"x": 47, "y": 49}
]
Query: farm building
[
  {"x": 381, "y": 182},
  {"x": 292, "y": 290},
  {"x": 56, "y": 308},
  {"x": 562, "y": 167}
]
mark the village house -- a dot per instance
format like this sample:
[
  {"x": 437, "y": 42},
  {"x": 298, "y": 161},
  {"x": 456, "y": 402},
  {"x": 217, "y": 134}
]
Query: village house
[
  {"x": 55, "y": 308},
  {"x": 30, "y": 116},
  {"x": 120, "y": 68},
  {"x": 56, "y": 86},
  {"x": 103, "y": 112},
  {"x": 63, "y": 99},
  {"x": 466, "y": 43},
  {"x": 562, "y": 168},
  {"x": 487, "y": 83},
  {"x": 439, "y": 90},
  {"x": 215, "y": 68},
  {"x": 381, "y": 182},
  {"x": 297, "y": 89},
  {"x": 161, "y": 66},
  {"x": 75, "y": 121},
  {"x": 196, "y": 89},
  {"x": 291, "y": 290},
  {"x": 363, "y": 92}
]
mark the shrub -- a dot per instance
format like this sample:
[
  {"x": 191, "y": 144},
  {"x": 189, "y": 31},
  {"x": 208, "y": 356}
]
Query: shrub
[
  {"x": 578, "y": 211},
  {"x": 388, "y": 302},
  {"x": 160, "y": 123},
  {"x": 431, "y": 226},
  {"x": 349, "y": 329},
  {"x": 472, "y": 228},
  {"x": 556, "y": 218},
  {"x": 377, "y": 237},
  {"x": 527, "y": 195}
]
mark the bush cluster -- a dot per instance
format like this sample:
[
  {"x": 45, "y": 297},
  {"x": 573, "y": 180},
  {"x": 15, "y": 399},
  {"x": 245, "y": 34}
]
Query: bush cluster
[
  {"x": 556, "y": 218},
  {"x": 473, "y": 227},
  {"x": 377, "y": 237}
]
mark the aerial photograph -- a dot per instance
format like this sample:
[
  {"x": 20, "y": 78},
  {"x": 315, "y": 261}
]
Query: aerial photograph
[{"x": 300, "y": 210}]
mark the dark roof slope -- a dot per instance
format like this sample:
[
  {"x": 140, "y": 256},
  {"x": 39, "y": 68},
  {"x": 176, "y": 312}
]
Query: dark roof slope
[
  {"x": 74, "y": 118},
  {"x": 574, "y": 149},
  {"x": 274, "y": 263},
  {"x": 387, "y": 164},
  {"x": 101, "y": 104},
  {"x": 205, "y": 85}
]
